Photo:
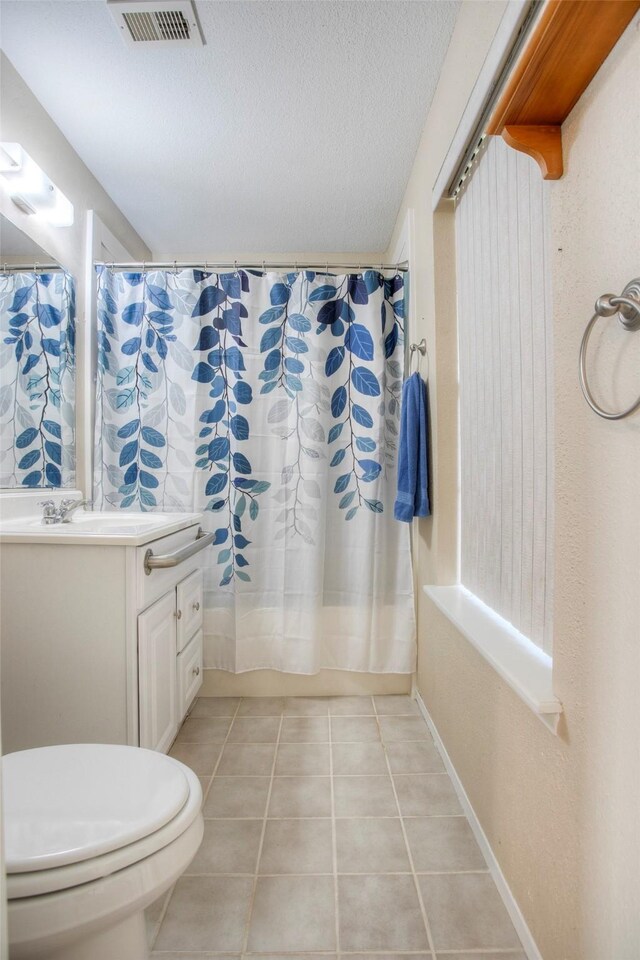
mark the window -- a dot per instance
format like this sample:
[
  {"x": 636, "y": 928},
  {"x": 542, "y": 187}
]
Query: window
[{"x": 504, "y": 331}]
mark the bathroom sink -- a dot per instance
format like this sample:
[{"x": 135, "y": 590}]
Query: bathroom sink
[
  {"x": 89, "y": 522},
  {"x": 117, "y": 528}
]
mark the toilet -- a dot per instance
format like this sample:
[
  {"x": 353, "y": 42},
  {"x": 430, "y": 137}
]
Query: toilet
[{"x": 94, "y": 833}]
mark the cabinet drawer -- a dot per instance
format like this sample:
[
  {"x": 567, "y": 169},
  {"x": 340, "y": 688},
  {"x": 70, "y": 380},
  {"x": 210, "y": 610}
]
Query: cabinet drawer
[
  {"x": 190, "y": 604},
  {"x": 189, "y": 673},
  {"x": 159, "y": 582}
]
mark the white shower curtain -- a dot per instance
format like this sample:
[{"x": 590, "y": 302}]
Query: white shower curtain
[
  {"x": 37, "y": 379},
  {"x": 270, "y": 402}
]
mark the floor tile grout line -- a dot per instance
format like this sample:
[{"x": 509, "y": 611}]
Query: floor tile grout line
[
  {"x": 347, "y": 873},
  {"x": 220, "y": 754},
  {"x": 475, "y": 952},
  {"x": 226, "y": 740},
  {"x": 167, "y": 898},
  {"x": 306, "y": 716},
  {"x": 304, "y": 743},
  {"x": 245, "y": 942},
  {"x": 318, "y": 776},
  {"x": 423, "y": 911},
  {"x": 204, "y": 797},
  {"x": 299, "y": 743},
  {"x": 334, "y": 844},
  {"x": 206, "y": 776},
  {"x": 479, "y": 952},
  {"x": 364, "y": 816}
]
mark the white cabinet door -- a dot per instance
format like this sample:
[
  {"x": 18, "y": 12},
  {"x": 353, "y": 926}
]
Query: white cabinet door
[{"x": 157, "y": 685}]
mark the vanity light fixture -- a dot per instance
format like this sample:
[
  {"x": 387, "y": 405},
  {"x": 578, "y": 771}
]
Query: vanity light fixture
[{"x": 31, "y": 189}]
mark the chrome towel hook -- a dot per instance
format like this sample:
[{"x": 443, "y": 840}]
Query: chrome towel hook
[
  {"x": 627, "y": 309},
  {"x": 416, "y": 350}
]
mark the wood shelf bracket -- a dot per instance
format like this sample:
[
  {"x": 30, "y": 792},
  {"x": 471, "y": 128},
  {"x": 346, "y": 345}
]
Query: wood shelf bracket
[
  {"x": 542, "y": 142},
  {"x": 567, "y": 44}
]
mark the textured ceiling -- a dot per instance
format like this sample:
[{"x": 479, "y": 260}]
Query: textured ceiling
[{"x": 294, "y": 128}]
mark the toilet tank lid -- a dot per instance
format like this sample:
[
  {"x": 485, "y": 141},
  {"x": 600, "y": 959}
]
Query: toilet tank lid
[{"x": 63, "y": 804}]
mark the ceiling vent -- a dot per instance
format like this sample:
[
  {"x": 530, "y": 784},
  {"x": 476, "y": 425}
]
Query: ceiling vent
[{"x": 158, "y": 23}]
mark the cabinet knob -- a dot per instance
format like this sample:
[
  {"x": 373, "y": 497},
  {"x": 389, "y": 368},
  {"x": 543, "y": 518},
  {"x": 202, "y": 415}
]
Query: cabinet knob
[
  {"x": 196, "y": 671},
  {"x": 196, "y": 606},
  {"x": 178, "y": 614}
]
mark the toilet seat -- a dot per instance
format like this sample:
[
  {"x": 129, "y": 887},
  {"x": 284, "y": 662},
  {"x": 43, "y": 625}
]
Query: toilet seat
[{"x": 80, "y": 812}]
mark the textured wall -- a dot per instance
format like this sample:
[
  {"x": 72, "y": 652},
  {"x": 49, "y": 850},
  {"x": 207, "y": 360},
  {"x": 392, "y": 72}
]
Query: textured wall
[
  {"x": 561, "y": 813},
  {"x": 596, "y": 234}
]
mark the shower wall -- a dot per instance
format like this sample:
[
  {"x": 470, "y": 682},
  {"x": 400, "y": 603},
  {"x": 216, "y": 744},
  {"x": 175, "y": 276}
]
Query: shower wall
[{"x": 559, "y": 811}]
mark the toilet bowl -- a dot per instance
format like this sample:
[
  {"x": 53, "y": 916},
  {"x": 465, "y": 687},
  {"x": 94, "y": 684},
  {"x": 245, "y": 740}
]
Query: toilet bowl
[{"x": 94, "y": 833}]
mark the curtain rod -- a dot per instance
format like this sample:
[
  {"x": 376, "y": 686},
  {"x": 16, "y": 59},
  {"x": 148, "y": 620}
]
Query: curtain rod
[
  {"x": 477, "y": 135},
  {"x": 325, "y": 267},
  {"x": 30, "y": 267}
]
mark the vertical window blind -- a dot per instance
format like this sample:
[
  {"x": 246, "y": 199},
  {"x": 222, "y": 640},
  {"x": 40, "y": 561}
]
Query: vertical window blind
[{"x": 505, "y": 356}]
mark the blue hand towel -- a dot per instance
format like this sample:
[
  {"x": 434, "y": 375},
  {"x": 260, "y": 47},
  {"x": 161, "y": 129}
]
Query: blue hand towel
[{"x": 412, "y": 499}]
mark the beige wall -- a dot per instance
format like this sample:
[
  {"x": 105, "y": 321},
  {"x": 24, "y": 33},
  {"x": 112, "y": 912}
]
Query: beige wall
[
  {"x": 561, "y": 813},
  {"x": 596, "y": 242},
  {"x": 23, "y": 119}
]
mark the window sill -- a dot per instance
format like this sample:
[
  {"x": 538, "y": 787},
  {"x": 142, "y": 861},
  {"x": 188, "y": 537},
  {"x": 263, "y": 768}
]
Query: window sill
[{"x": 523, "y": 666}]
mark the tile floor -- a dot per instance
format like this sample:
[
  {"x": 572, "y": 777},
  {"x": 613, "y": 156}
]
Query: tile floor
[{"x": 331, "y": 828}]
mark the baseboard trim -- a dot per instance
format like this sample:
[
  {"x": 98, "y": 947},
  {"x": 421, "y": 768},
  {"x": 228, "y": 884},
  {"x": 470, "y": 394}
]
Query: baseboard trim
[{"x": 528, "y": 943}]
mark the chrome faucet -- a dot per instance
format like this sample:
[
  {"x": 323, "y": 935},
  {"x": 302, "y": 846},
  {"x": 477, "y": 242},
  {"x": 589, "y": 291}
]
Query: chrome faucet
[
  {"x": 69, "y": 507},
  {"x": 63, "y": 513}
]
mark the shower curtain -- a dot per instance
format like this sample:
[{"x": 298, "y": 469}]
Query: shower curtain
[
  {"x": 270, "y": 402},
  {"x": 37, "y": 379}
]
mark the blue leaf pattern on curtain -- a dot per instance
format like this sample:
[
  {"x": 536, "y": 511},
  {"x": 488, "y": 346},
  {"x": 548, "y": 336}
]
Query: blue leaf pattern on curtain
[
  {"x": 260, "y": 399},
  {"x": 37, "y": 382},
  {"x": 301, "y": 311}
]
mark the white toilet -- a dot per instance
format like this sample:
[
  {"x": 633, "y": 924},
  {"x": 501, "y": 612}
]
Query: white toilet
[{"x": 94, "y": 833}]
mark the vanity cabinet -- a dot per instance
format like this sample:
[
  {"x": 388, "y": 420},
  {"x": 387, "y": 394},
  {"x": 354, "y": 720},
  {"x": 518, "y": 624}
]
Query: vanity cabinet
[
  {"x": 93, "y": 648},
  {"x": 169, "y": 661}
]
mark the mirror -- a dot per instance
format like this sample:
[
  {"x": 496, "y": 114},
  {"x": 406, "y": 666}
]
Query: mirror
[{"x": 37, "y": 365}]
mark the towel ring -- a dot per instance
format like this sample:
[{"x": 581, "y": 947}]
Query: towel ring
[{"x": 627, "y": 309}]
